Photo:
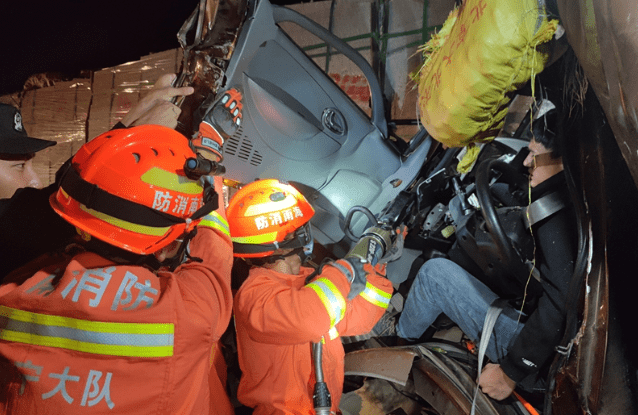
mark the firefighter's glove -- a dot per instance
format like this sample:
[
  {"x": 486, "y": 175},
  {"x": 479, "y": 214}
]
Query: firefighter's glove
[
  {"x": 396, "y": 250},
  {"x": 357, "y": 272},
  {"x": 223, "y": 121},
  {"x": 227, "y": 112},
  {"x": 208, "y": 142},
  {"x": 353, "y": 269},
  {"x": 373, "y": 244}
]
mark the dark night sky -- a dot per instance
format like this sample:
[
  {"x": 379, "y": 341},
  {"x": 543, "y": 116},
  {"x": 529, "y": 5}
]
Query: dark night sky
[{"x": 71, "y": 35}]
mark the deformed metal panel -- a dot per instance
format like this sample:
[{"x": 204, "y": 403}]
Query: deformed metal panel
[
  {"x": 604, "y": 36},
  {"x": 439, "y": 380},
  {"x": 392, "y": 364},
  {"x": 444, "y": 385}
]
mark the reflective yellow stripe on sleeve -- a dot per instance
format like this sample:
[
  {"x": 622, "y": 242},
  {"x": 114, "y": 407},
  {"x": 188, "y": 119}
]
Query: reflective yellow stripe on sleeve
[
  {"x": 376, "y": 296},
  {"x": 216, "y": 221},
  {"x": 331, "y": 298},
  {"x": 113, "y": 339},
  {"x": 333, "y": 333}
]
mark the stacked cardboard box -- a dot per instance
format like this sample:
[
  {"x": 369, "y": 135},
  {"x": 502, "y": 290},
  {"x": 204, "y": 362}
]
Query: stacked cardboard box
[{"x": 116, "y": 90}]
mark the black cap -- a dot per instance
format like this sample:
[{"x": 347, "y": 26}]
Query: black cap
[{"x": 13, "y": 136}]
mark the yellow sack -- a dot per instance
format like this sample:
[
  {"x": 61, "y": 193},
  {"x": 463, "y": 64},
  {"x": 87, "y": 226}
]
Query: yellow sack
[{"x": 485, "y": 50}]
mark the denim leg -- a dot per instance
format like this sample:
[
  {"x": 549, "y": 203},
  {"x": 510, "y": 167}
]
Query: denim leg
[{"x": 441, "y": 286}]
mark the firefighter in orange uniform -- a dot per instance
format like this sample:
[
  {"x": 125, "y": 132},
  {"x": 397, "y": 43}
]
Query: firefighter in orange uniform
[
  {"x": 284, "y": 311},
  {"x": 125, "y": 322}
]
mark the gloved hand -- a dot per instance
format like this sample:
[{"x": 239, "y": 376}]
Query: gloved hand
[
  {"x": 396, "y": 250},
  {"x": 372, "y": 245},
  {"x": 364, "y": 257},
  {"x": 227, "y": 112},
  {"x": 357, "y": 273},
  {"x": 222, "y": 123},
  {"x": 208, "y": 142}
]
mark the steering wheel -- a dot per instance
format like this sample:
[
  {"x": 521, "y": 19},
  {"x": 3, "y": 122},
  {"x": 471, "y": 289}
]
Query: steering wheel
[{"x": 506, "y": 250}]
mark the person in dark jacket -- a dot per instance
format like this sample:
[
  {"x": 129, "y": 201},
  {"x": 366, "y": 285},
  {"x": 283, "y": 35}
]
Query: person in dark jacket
[
  {"x": 520, "y": 344},
  {"x": 17, "y": 150}
]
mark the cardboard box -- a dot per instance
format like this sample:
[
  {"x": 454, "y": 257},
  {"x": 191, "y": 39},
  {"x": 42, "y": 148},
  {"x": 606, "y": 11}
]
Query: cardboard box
[
  {"x": 58, "y": 113},
  {"x": 117, "y": 89}
]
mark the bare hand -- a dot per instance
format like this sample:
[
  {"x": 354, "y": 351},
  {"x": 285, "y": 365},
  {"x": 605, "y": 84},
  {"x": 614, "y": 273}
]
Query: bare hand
[
  {"x": 155, "y": 107},
  {"x": 495, "y": 383}
]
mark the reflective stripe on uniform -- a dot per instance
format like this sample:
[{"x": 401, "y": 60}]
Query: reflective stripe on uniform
[
  {"x": 114, "y": 339},
  {"x": 133, "y": 227},
  {"x": 331, "y": 298},
  {"x": 376, "y": 296},
  {"x": 216, "y": 221},
  {"x": 333, "y": 333}
]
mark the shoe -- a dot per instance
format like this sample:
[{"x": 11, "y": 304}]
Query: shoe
[{"x": 386, "y": 326}]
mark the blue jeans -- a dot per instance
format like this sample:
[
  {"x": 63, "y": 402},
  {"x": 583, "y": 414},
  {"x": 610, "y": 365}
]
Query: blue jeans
[{"x": 441, "y": 286}]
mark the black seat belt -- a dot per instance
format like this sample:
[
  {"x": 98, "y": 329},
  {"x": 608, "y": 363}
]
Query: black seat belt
[{"x": 543, "y": 208}]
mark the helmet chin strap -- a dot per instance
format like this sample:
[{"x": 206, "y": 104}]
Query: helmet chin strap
[
  {"x": 304, "y": 252},
  {"x": 182, "y": 254},
  {"x": 274, "y": 258},
  {"x": 305, "y": 257}
]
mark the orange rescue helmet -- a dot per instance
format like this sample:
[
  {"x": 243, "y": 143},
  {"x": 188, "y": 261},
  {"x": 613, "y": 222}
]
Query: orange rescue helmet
[
  {"x": 262, "y": 213},
  {"x": 128, "y": 188}
]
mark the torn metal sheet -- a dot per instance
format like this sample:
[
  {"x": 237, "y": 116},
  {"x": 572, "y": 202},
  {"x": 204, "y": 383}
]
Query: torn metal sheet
[{"x": 208, "y": 40}]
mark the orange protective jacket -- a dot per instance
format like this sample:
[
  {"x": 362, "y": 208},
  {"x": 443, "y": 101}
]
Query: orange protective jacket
[
  {"x": 86, "y": 335},
  {"x": 277, "y": 318}
]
